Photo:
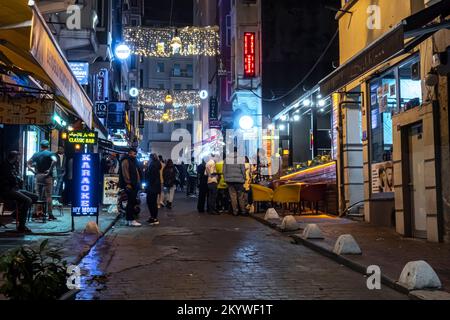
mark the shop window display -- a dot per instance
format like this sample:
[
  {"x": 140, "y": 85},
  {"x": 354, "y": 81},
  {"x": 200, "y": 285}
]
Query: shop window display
[{"x": 397, "y": 90}]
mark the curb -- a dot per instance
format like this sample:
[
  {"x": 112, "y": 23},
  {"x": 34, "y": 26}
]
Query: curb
[
  {"x": 340, "y": 259},
  {"x": 70, "y": 295}
]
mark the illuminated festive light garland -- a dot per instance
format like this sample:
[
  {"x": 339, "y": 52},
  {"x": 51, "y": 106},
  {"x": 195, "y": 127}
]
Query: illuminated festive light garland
[
  {"x": 166, "y": 115},
  {"x": 157, "y": 98},
  {"x": 166, "y": 42}
]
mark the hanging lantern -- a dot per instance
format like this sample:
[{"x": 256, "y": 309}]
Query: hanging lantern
[
  {"x": 176, "y": 45},
  {"x": 168, "y": 99},
  {"x": 160, "y": 48},
  {"x": 166, "y": 116}
]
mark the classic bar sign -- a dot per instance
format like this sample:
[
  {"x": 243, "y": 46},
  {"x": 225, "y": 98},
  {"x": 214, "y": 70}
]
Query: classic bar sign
[
  {"x": 85, "y": 198},
  {"x": 83, "y": 137}
]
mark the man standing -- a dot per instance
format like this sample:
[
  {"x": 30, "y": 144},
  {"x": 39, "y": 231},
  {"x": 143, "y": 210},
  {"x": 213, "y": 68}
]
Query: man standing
[
  {"x": 130, "y": 180},
  {"x": 212, "y": 185},
  {"x": 153, "y": 188},
  {"x": 192, "y": 179},
  {"x": 202, "y": 187},
  {"x": 234, "y": 174},
  {"x": 10, "y": 186},
  {"x": 60, "y": 172},
  {"x": 42, "y": 164}
]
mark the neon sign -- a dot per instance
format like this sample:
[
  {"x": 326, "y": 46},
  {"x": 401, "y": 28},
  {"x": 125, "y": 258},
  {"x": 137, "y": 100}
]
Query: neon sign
[
  {"x": 83, "y": 137},
  {"x": 249, "y": 55},
  {"x": 85, "y": 184}
]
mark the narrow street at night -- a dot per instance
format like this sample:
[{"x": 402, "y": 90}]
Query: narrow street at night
[
  {"x": 200, "y": 256},
  {"x": 247, "y": 154}
]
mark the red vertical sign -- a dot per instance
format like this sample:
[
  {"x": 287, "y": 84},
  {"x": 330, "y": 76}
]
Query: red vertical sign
[{"x": 249, "y": 54}]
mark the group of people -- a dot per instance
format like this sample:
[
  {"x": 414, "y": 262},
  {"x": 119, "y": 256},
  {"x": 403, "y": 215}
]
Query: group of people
[
  {"x": 47, "y": 166},
  {"x": 161, "y": 179},
  {"x": 223, "y": 182}
]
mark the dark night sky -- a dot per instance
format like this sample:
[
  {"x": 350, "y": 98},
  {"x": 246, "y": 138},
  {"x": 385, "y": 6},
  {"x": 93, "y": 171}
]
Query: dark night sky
[
  {"x": 160, "y": 10},
  {"x": 294, "y": 35}
]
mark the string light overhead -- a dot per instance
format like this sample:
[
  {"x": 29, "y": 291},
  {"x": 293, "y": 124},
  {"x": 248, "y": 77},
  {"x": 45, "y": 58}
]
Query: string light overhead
[
  {"x": 166, "y": 115},
  {"x": 160, "y": 98},
  {"x": 167, "y": 42}
]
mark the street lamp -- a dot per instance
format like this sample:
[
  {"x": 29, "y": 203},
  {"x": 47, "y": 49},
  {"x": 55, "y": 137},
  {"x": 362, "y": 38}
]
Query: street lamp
[
  {"x": 246, "y": 122},
  {"x": 122, "y": 51}
]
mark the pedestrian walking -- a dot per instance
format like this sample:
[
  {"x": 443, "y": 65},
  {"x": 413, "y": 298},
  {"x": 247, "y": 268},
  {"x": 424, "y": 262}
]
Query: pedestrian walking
[
  {"x": 130, "y": 180},
  {"x": 212, "y": 185},
  {"x": 11, "y": 188},
  {"x": 153, "y": 189},
  {"x": 170, "y": 174},
  {"x": 234, "y": 174},
  {"x": 192, "y": 178},
  {"x": 202, "y": 187},
  {"x": 60, "y": 173},
  {"x": 42, "y": 164},
  {"x": 161, "y": 193}
]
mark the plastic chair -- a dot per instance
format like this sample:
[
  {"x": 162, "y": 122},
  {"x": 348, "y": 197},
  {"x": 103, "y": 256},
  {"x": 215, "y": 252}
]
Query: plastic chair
[
  {"x": 261, "y": 194},
  {"x": 288, "y": 194}
]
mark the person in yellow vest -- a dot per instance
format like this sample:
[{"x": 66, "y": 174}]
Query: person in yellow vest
[
  {"x": 248, "y": 183},
  {"x": 222, "y": 193}
]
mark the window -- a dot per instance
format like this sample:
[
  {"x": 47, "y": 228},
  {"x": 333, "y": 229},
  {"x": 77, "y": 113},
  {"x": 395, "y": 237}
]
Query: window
[
  {"x": 189, "y": 87},
  {"x": 160, "y": 127},
  {"x": 134, "y": 3},
  {"x": 161, "y": 86},
  {"x": 177, "y": 86},
  {"x": 141, "y": 78},
  {"x": 176, "y": 70},
  {"x": 134, "y": 22},
  {"x": 189, "y": 70},
  {"x": 189, "y": 128},
  {"x": 160, "y": 67},
  {"x": 395, "y": 91},
  {"x": 176, "y": 126},
  {"x": 132, "y": 83}
]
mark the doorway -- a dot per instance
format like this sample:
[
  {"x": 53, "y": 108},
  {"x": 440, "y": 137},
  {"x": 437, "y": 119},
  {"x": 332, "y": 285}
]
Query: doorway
[{"x": 416, "y": 182}]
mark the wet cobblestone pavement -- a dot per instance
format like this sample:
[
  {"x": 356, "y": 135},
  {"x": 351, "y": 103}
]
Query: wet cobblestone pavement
[{"x": 198, "y": 256}]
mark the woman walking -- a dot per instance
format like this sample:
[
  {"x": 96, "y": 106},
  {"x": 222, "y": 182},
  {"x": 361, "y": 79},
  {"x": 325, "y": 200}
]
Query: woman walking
[
  {"x": 170, "y": 174},
  {"x": 153, "y": 178}
]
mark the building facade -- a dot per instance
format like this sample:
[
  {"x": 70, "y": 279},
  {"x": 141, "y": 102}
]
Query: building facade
[
  {"x": 171, "y": 74},
  {"x": 393, "y": 83}
]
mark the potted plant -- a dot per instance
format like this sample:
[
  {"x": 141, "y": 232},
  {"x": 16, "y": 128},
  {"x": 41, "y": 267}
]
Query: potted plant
[{"x": 33, "y": 274}]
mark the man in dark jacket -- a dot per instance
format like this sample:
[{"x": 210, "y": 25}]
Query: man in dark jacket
[
  {"x": 153, "y": 178},
  {"x": 234, "y": 175},
  {"x": 202, "y": 186},
  {"x": 10, "y": 189},
  {"x": 130, "y": 180}
]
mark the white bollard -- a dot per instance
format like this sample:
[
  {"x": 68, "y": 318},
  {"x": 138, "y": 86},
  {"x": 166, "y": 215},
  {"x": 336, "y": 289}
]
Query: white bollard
[
  {"x": 92, "y": 228},
  {"x": 271, "y": 214},
  {"x": 289, "y": 224},
  {"x": 312, "y": 231},
  {"x": 346, "y": 244},
  {"x": 419, "y": 275}
]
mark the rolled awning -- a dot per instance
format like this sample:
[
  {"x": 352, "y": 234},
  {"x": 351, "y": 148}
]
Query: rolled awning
[{"x": 28, "y": 47}]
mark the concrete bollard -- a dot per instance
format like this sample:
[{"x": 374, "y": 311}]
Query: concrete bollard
[
  {"x": 289, "y": 223},
  {"x": 92, "y": 228},
  {"x": 419, "y": 275},
  {"x": 271, "y": 214},
  {"x": 346, "y": 244},
  {"x": 312, "y": 231}
]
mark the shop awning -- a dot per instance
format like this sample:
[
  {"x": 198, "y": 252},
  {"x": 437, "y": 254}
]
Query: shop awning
[
  {"x": 401, "y": 39},
  {"x": 27, "y": 47}
]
